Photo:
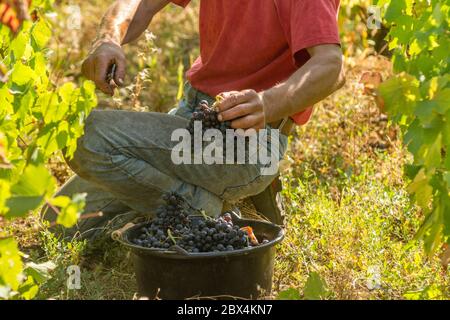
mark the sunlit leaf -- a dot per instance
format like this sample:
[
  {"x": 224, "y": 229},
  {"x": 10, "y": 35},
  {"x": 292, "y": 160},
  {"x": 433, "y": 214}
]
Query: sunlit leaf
[
  {"x": 19, "y": 206},
  {"x": 289, "y": 294},
  {"x": 10, "y": 264},
  {"x": 315, "y": 288},
  {"x": 400, "y": 94},
  {"x": 421, "y": 188},
  {"x": 28, "y": 289},
  {"x": 35, "y": 181},
  {"x": 69, "y": 215},
  {"x": 41, "y": 33},
  {"x": 22, "y": 74},
  {"x": 39, "y": 272}
]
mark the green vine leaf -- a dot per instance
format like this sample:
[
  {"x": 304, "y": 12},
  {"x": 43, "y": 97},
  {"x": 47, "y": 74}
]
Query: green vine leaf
[
  {"x": 418, "y": 98},
  {"x": 315, "y": 288},
  {"x": 10, "y": 267},
  {"x": 41, "y": 33},
  {"x": 71, "y": 209},
  {"x": 400, "y": 94}
]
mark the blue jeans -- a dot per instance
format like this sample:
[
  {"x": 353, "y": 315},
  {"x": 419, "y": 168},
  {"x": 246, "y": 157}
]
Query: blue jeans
[{"x": 123, "y": 162}]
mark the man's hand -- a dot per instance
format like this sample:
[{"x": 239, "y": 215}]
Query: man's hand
[
  {"x": 245, "y": 109},
  {"x": 99, "y": 62},
  {"x": 124, "y": 21}
]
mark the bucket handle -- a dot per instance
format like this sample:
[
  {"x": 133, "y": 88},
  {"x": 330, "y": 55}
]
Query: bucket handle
[
  {"x": 117, "y": 235},
  {"x": 235, "y": 214},
  {"x": 179, "y": 250}
]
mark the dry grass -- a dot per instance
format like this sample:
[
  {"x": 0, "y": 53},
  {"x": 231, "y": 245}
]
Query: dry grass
[{"x": 350, "y": 218}]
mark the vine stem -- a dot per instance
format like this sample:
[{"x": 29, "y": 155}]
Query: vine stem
[
  {"x": 82, "y": 217},
  {"x": 171, "y": 237},
  {"x": 23, "y": 141},
  {"x": 58, "y": 212},
  {"x": 202, "y": 212}
]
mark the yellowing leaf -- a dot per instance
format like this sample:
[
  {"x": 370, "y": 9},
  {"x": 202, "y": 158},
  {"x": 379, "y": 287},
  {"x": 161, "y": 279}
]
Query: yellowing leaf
[
  {"x": 415, "y": 48},
  {"x": 28, "y": 289},
  {"x": 60, "y": 201},
  {"x": 66, "y": 92},
  {"x": 69, "y": 214},
  {"x": 10, "y": 264},
  {"x": 22, "y": 74},
  {"x": 41, "y": 33}
]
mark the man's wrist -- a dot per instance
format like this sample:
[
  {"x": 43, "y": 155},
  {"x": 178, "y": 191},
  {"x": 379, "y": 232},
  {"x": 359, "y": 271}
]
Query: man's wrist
[
  {"x": 264, "y": 106},
  {"x": 104, "y": 39},
  {"x": 281, "y": 102},
  {"x": 270, "y": 105}
]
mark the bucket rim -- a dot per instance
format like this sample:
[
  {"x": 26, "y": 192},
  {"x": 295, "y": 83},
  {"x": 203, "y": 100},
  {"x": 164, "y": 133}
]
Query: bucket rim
[{"x": 179, "y": 254}]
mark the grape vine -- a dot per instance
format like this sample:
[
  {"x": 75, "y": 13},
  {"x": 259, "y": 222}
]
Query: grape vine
[
  {"x": 417, "y": 97},
  {"x": 38, "y": 118}
]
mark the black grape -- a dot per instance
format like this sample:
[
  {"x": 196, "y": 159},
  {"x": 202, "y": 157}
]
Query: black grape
[{"x": 177, "y": 223}]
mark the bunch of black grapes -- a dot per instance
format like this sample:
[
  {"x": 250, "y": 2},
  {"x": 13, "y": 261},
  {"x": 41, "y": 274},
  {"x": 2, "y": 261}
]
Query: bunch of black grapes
[
  {"x": 208, "y": 116},
  {"x": 177, "y": 223},
  {"x": 213, "y": 235},
  {"x": 172, "y": 215}
]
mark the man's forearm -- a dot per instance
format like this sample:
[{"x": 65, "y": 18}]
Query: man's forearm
[
  {"x": 317, "y": 79},
  {"x": 125, "y": 20}
]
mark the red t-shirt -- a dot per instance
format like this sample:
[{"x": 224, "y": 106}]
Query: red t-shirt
[{"x": 255, "y": 44}]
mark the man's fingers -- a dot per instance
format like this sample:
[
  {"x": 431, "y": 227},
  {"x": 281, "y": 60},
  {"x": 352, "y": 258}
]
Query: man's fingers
[
  {"x": 245, "y": 132},
  {"x": 227, "y": 94},
  {"x": 237, "y": 111},
  {"x": 98, "y": 67},
  {"x": 87, "y": 69},
  {"x": 231, "y": 99},
  {"x": 120, "y": 71},
  {"x": 251, "y": 121},
  {"x": 101, "y": 73}
]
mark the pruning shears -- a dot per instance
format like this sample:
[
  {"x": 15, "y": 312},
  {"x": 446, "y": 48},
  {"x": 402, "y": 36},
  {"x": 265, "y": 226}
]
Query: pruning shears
[{"x": 111, "y": 74}]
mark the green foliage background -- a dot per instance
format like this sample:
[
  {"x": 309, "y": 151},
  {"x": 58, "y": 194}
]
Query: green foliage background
[
  {"x": 37, "y": 119},
  {"x": 418, "y": 99}
]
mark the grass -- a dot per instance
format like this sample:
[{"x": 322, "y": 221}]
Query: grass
[
  {"x": 349, "y": 217},
  {"x": 350, "y": 224}
]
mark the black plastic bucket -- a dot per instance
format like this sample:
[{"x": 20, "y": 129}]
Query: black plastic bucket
[{"x": 174, "y": 274}]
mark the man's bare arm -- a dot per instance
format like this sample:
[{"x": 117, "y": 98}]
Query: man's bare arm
[
  {"x": 123, "y": 22},
  {"x": 126, "y": 20},
  {"x": 321, "y": 76}
]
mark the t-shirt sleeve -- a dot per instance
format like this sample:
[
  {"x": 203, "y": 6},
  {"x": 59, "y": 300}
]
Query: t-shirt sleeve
[
  {"x": 312, "y": 23},
  {"x": 181, "y": 3}
]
